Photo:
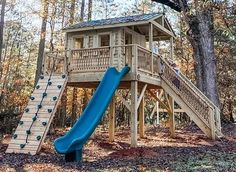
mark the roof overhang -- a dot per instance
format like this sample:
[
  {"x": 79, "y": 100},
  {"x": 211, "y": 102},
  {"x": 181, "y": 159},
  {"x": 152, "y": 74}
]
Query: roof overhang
[{"x": 160, "y": 23}]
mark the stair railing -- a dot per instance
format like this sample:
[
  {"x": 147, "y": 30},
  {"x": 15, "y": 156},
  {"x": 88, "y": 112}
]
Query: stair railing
[{"x": 190, "y": 94}]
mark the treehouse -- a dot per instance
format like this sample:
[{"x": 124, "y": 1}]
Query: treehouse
[{"x": 92, "y": 47}]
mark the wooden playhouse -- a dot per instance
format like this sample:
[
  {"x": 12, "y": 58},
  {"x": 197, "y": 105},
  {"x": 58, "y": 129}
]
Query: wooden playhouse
[{"x": 92, "y": 47}]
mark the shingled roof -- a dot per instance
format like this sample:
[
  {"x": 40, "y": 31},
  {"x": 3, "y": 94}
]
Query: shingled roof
[{"x": 113, "y": 21}]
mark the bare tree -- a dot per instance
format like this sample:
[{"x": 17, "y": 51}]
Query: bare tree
[
  {"x": 52, "y": 22},
  {"x": 82, "y": 10},
  {"x": 45, "y": 4},
  {"x": 90, "y": 5},
  {"x": 3, "y": 5},
  {"x": 72, "y": 12},
  {"x": 75, "y": 89}
]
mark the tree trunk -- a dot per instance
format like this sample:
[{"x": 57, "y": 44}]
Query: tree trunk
[
  {"x": 90, "y": 5},
  {"x": 202, "y": 40},
  {"x": 42, "y": 41},
  {"x": 72, "y": 12},
  {"x": 52, "y": 24},
  {"x": 82, "y": 10},
  {"x": 74, "y": 106},
  {"x": 63, "y": 19},
  {"x": 3, "y": 4},
  {"x": 63, "y": 109}
]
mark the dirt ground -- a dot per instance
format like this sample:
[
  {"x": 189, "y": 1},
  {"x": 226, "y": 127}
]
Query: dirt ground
[{"x": 190, "y": 150}]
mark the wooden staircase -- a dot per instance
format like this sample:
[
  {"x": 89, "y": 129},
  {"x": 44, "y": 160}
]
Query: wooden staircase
[
  {"x": 199, "y": 108},
  {"x": 35, "y": 122}
]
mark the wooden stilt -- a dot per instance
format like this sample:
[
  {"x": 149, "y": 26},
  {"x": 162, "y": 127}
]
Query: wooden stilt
[
  {"x": 134, "y": 91},
  {"x": 157, "y": 110},
  {"x": 171, "y": 117},
  {"x": 141, "y": 119},
  {"x": 112, "y": 120}
]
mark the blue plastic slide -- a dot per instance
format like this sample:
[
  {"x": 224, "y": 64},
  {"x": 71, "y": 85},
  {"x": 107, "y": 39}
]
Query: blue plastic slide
[{"x": 72, "y": 143}]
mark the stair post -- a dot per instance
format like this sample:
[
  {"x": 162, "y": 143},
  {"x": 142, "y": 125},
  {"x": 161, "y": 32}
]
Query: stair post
[{"x": 212, "y": 123}]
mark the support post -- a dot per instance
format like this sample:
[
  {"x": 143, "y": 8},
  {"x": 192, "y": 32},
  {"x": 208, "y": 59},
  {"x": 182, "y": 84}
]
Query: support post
[
  {"x": 134, "y": 91},
  {"x": 212, "y": 124},
  {"x": 112, "y": 120},
  {"x": 157, "y": 110},
  {"x": 150, "y": 36},
  {"x": 151, "y": 44},
  {"x": 171, "y": 48},
  {"x": 63, "y": 108},
  {"x": 171, "y": 117},
  {"x": 141, "y": 119}
]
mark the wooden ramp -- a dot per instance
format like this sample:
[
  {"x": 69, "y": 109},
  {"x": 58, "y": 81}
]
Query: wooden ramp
[
  {"x": 198, "y": 107},
  {"x": 35, "y": 122}
]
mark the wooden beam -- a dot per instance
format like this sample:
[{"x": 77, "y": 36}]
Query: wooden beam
[
  {"x": 134, "y": 94},
  {"x": 161, "y": 103},
  {"x": 151, "y": 44},
  {"x": 161, "y": 93},
  {"x": 153, "y": 111},
  {"x": 112, "y": 120},
  {"x": 162, "y": 28},
  {"x": 141, "y": 94},
  {"x": 141, "y": 119},
  {"x": 127, "y": 105},
  {"x": 168, "y": 102},
  {"x": 150, "y": 36},
  {"x": 157, "y": 108}
]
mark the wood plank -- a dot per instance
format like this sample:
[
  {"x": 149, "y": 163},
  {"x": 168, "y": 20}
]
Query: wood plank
[
  {"x": 37, "y": 123},
  {"x": 34, "y": 108},
  {"x": 34, "y": 133},
  {"x": 39, "y": 93},
  {"x": 40, "y": 116},
  {"x": 31, "y": 137},
  {"x": 32, "y": 143},
  {"x": 44, "y": 103},
  {"x": 28, "y": 119},
  {"x": 33, "y": 128},
  {"x": 25, "y": 149},
  {"x": 141, "y": 95},
  {"x": 15, "y": 150}
]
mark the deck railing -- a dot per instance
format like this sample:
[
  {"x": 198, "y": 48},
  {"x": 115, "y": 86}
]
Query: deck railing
[
  {"x": 55, "y": 62},
  {"x": 89, "y": 60},
  {"x": 99, "y": 59},
  {"x": 148, "y": 62}
]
